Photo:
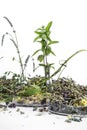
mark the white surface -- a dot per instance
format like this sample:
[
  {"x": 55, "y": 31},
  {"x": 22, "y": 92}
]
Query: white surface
[{"x": 34, "y": 120}]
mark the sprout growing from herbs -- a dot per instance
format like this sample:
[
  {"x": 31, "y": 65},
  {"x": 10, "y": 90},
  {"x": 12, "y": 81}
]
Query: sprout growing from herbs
[{"x": 43, "y": 37}]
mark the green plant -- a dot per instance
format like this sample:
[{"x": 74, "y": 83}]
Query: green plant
[
  {"x": 63, "y": 65},
  {"x": 29, "y": 91},
  {"x": 43, "y": 37},
  {"x": 14, "y": 40}
]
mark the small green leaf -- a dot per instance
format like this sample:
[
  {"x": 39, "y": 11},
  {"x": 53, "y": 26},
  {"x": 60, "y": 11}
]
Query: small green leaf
[
  {"x": 52, "y": 52},
  {"x": 51, "y": 64},
  {"x": 48, "y": 50},
  {"x": 48, "y": 38},
  {"x": 48, "y": 26},
  {"x": 37, "y": 32},
  {"x": 36, "y": 52},
  {"x": 40, "y": 58},
  {"x": 53, "y": 42},
  {"x": 43, "y": 46},
  {"x": 44, "y": 36},
  {"x": 40, "y": 32},
  {"x": 36, "y": 38},
  {"x": 52, "y": 67}
]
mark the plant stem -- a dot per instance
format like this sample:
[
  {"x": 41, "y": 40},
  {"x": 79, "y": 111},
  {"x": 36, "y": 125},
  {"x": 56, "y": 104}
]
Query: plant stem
[
  {"x": 19, "y": 56},
  {"x": 20, "y": 60}
]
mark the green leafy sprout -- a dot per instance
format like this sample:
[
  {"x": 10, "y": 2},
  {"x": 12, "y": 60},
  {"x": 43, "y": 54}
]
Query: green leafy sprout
[{"x": 43, "y": 37}]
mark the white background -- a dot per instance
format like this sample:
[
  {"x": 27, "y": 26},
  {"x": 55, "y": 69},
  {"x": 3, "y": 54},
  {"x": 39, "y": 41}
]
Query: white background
[{"x": 69, "y": 28}]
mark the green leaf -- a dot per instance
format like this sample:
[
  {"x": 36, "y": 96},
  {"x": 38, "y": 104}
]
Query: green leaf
[
  {"x": 48, "y": 33},
  {"x": 51, "y": 64},
  {"x": 48, "y": 26},
  {"x": 40, "y": 58},
  {"x": 48, "y": 65},
  {"x": 53, "y": 42},
  {"x": 44, "y": 37},
  {"x": 36, "y": 52},
  {"x": 36, "y": 38},
  {"x": 40, "y": 32},
  {"x": 48, "y": 38},
  {"x": 39, "y": 29},
  {"x": 48, "y": 51},
  {"x": 43, "y": 46},
  {"x": 52, "y": 67},
  {"x": 37, "y": 32},
  {"x": 53, "y": 53}
]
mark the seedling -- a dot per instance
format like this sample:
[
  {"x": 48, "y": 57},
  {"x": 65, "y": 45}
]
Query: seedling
[{"x": 43, "y": 37}]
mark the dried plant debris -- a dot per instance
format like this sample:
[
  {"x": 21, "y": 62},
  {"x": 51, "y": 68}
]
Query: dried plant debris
[{"x": 68, "y": 97}]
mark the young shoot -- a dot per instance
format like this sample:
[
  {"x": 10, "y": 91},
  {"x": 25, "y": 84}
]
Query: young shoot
[{"x": 44, "y": 39}]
